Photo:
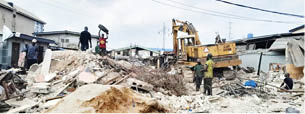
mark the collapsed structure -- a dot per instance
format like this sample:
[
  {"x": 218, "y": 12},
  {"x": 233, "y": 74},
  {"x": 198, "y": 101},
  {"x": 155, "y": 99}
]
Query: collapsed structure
[{"x": 78, "y": 82}]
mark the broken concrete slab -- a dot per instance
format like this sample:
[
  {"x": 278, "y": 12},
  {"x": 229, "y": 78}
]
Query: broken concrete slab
[
  {"x": 51, "y": 103},
  {"x": 87, "y": 77},
  {"x": 132, "y": 82},
  {"x": 41, "y": 88},
  {"x": 23, "y": 107},
  {"x": 15, "y": 103},
  {"x": 46, "y": 63},
  {"x": 109, "y": 77},
  {"x": 44, "y": 78}
]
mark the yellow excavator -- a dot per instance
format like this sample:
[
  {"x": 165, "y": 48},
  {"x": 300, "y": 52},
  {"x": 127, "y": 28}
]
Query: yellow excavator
[{"x": 188, "y": 48}]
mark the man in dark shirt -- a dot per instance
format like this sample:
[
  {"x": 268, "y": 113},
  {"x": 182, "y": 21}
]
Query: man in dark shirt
[
  {"x": 288, "y": 82},
  {"x": 84, "y": 38},
  {"x": 199, "y": 74},
  {"x": 31, "y": 54}
]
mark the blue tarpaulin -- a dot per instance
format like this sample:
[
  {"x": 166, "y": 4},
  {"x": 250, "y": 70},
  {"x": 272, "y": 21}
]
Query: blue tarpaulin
[{"x": 250, "y": 83}]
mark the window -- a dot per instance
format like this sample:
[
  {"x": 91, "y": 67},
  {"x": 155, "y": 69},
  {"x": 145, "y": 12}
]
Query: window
[
  {"x": 67, "y": 40},
  {"x": 38, "y": 27},
  {"x": 62, "y": 40}
]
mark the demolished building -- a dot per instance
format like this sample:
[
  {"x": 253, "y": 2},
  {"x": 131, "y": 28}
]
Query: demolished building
[
  {"x": 274, "y": 48},
  {"x": 134, "y": 51}
]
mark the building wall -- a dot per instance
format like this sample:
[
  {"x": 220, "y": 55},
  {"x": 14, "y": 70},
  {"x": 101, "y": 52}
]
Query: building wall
[
  {"x": 67, "y": 40},
  {"x": 6, "y": 49},
  {"x": 23, "y": 24},
  {"x": 132, "y": 53},
  {"x": 252, "y": 60}
]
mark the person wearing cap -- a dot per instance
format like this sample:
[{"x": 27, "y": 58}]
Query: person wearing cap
[
  {"x": 199, "y": 72},
  {"x": 288, "y": 82},
  {"x": 85, "y": 39},
  {"x": 31, "y": 54},
  {"x": 208, "y": 76}
]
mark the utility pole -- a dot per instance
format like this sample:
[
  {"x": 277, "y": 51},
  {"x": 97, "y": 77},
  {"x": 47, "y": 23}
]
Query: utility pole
[
  {"x": 164, "y": 36},
  {"x": 230, "y": 28}
]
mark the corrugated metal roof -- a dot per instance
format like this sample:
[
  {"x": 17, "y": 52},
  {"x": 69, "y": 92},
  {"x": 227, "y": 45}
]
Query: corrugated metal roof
[
  {"x": 279, "y": 44},
  {"x": 62, "y": 32},
  {"x": 297, "y": 28},
  {"x": 135, "y": 46},
  {"x": 21, "y": 11},
  {"x": 30, "y": 38},
  {"x": 267, "y": 37}
]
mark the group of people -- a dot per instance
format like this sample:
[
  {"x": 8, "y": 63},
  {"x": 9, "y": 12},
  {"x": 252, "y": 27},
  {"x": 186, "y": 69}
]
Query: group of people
[
  {"x": 204, "y": 72},
  {"x": 85, "y": 40}
]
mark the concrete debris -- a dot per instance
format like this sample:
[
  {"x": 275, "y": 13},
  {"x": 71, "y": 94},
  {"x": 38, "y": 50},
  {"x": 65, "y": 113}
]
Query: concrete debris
[
  {"x": 81, "y": 82},
  {"x": 137, "y": 84},
  {"x": 15, "y": 103},
  {"x": 87, "y": 77},
  {"x": 41, "y": 88}
]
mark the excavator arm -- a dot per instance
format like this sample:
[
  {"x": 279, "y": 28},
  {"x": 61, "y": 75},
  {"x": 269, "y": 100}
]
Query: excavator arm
[{"x": 185, "y": 27}]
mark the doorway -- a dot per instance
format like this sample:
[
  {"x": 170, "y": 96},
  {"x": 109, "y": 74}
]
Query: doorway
[{"x": 15, "y": 54}]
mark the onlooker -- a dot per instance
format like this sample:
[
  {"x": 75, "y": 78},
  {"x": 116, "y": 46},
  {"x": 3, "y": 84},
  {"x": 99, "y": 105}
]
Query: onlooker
[{"x": 84, "y": 39}]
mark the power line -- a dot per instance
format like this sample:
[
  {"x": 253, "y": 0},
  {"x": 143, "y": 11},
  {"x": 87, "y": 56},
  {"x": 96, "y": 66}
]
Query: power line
[
  {"x": 240, "y": 5},
  {"x": 224, "y": 16},
  {"x": 191, "y": 6}
]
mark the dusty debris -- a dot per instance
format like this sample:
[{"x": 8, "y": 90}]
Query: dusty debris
[
  {"x": 83, "y": 82},
  {"x": 96, "y": 98},
  {"x": 122, "y": 101}
]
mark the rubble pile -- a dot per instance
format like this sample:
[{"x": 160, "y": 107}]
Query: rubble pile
[
  {"x": 70, "y": 70},
  {"x": 169, "y": 84},
  {"x": 83, "y": 82},
  {"x": 232, "y": 96}
]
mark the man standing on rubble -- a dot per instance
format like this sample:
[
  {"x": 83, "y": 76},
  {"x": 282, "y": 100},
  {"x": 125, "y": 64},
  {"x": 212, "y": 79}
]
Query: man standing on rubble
[
  {"x": 84, "y": 38},
  {"x": 288, "y": 82},
  {"x": 199, "y": 72},
  {"x": 31, "y": 54},
  {"x": 208, "y": 76}
]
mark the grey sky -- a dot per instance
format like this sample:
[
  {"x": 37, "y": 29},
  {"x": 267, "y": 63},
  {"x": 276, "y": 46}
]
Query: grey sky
[{"x": 140, "y": 21}]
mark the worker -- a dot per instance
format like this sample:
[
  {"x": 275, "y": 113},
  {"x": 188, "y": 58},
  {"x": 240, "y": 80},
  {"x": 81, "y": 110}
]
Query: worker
[
  {"x": 208, "y": 76},
  {"x": 84, "y": 38},
  {"x": 199, "y": 72},
  {"x": 97, "y": 48},
  {"x": 288, "y": 82},
  {"x": 31, "y": 54},
  {"x": 103, "y": 42}
]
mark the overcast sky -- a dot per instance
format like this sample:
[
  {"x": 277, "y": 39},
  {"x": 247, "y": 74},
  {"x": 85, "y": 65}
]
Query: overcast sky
[{"x": 141, "y": 21}]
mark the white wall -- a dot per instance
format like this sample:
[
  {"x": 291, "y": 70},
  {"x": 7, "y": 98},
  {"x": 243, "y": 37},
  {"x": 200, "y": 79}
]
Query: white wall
[
  {"x": 132, "y": 53},
  {"x": 6, "y": 60},
  {"x": 72, "y": 42}
]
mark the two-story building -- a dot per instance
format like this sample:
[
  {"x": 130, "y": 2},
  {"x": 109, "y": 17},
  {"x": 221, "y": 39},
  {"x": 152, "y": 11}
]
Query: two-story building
[{"x": 23, "y": 24}]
